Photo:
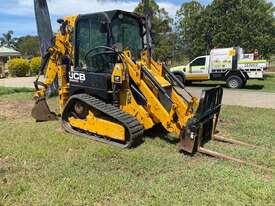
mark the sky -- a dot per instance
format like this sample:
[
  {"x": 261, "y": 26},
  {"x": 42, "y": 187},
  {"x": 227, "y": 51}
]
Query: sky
[{"x": 18, "y": 15}]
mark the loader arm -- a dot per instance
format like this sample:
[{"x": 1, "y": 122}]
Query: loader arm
[
  {"x": 163, "y": 101},
  {"x": 194, "y": 121}
]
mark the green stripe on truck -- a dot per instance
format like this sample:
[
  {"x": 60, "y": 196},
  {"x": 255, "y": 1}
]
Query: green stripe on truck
[{"x": 252, "y": 61}]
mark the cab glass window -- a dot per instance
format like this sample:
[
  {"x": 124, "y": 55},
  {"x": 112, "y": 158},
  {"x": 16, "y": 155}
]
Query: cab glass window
[
  {"x": 198, "y": 62},
  {"x": 92, "y": 31},
  {"x": 89, "y": 35},
  {"x": 126, "y": 32}
]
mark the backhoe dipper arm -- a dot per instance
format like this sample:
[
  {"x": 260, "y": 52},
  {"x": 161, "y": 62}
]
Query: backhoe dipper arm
[
  {"x": 41, "y": 111},
  {"x": 55, "y": 63},
  {"x": 51, "y": 72}
]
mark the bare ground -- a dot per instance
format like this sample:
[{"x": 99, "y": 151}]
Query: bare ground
[
  {"x": 13, "y": 110},
  {"x": 18, "y": 82}
]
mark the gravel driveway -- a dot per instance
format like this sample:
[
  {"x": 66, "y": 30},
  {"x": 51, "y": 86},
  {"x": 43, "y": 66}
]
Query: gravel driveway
[
  {"x": 18, "y": 82},
  {"x": 231, "y": 97},
  {"x": 243, "y": 98}
]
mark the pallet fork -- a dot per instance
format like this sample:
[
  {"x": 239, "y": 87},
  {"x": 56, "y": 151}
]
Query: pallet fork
[{"x": 196, "y": 134}]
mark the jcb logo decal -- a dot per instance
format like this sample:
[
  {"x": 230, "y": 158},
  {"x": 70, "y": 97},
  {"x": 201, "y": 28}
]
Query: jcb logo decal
[{"x": 77, "y": 77}]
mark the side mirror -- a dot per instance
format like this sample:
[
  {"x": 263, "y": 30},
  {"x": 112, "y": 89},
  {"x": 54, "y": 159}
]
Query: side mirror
[
  {"x": 60, "y": 21},
  {"x": 63, "y": 27}
]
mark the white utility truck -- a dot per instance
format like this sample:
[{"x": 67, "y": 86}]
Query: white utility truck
[{"x": 226, "y": 64}]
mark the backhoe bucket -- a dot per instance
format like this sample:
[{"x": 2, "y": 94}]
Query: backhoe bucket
[
  {"x": 41, "y": 111},
  {"x": 202, "y": 126}
]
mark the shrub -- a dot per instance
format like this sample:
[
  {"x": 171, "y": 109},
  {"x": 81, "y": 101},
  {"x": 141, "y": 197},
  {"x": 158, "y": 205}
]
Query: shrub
[
  {"x": 34, "y": 65},
  {"x": 18, "y": 67}
]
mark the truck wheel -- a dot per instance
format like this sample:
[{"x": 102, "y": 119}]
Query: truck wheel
[
  {"x": 179, "y": 77},
  {"x": 234, "y": 82}
]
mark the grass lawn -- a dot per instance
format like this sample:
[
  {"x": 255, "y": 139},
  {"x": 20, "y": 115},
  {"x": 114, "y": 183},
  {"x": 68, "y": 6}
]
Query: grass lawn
[
  {"x": 13, "y": 90},
  {"x": 42, "y": 165},
  {"x": 266, "y": 85}
]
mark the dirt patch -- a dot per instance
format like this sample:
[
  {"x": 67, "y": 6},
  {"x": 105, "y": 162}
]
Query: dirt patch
[
  {"x": 6, "y": 166},
  {"x": 15, "y": 110},
  {"x": 228, "y": 121},
  {"x": 60, "y": 129},
  {"x": 271, "y": 69}
]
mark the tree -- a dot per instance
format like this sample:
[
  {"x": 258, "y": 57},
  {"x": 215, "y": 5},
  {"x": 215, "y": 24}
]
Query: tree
[
  {"x": 189, "y": 28},
  {"x": 7, "y": 40},
  {"x": 161, "y": 30},
  {"x": 246, "y": 23},
  {"x": 28, "y": 45}
]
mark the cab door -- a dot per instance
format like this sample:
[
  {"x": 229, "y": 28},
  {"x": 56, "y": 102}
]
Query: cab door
[{"x": 198, "y": 69}]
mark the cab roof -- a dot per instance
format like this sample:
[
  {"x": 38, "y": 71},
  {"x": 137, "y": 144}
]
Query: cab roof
[{"x": 109, "y": 15}]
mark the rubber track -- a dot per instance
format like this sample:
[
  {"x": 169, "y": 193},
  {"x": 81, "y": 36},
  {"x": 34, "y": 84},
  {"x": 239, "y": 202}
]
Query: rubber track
[{"x": 130, "y": 123}]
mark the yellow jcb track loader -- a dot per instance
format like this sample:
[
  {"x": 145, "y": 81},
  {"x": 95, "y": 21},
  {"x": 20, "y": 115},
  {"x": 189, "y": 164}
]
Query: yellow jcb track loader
[{"x": 110, "y": 89}]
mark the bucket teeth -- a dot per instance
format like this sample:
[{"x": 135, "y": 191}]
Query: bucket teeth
[{"x": 41, "y": 111}]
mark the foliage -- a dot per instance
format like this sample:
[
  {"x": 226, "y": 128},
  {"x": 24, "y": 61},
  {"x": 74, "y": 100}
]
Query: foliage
[
  {"x": 28, "y": 45},
  {"x": 7, "y": 40},
  {"x": 18, "y": 67},
  {"x": 162, "y": 35},
  {"x": 34, "y": 65},
  {"x": 246, "y": 23},
  {"x": 188, "y": 28}
]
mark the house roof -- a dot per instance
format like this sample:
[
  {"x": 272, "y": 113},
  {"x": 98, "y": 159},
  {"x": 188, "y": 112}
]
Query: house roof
[{"x": 6, "y": 52}]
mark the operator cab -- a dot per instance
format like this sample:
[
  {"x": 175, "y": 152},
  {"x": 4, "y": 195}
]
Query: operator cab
[{"x": 94, "y": 62}]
